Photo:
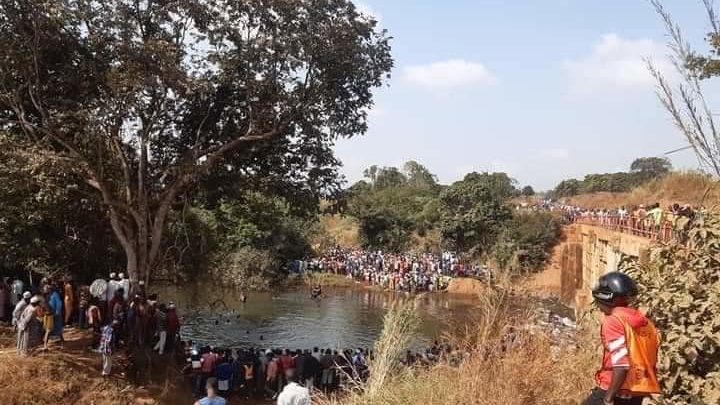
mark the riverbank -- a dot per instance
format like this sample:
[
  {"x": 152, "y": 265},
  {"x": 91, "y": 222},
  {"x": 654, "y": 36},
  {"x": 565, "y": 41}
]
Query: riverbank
[
  {"x": 509, "y": 358},
  {"x": 324, "y": 280},
  {"x": 70, "y": 374}
]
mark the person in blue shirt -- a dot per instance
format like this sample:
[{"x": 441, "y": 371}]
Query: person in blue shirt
[
  {"x": 56, "y": 305},
  {"x": 212, "y": 397},
  {"x": 224, "y": 373}
]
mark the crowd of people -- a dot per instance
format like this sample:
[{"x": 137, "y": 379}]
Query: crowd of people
[
  {"x": 120, "y": 321},
  {"x": 256, "y": 373},
  {"x": 41, "y": 312},
  {"x": 651, "y": 220},
  {"x": 393, "y": 271}
]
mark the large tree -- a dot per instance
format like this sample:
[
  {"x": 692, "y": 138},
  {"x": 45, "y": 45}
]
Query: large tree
[
  {"x": 651, "y": 167},
  {"x": 473, "y": 210},
  {"x": 143, "y": 99}
]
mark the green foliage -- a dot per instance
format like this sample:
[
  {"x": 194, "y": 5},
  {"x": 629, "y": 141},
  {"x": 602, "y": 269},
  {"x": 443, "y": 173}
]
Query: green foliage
[
  {"x": 192, "y": 238},
  {"x": 642, "y": 170},
  {"x": 472, "y": 211},
  {"x": 611, "y": 182},
  {"x": 254, "y": 223},
  {"x": 264, "y": 222},
  {"x": 46, "y": 226},
  {"x": 145, "y": 100},
  {"x": 407, "y": 210},
  {"x": 419, "y": 176},
  {"x": 567, "y": 188},
  {"x": 680, "y": 288},
  {"x": 527, "y": 191},
  {"x": 525, "y": 241},
  {"x": 651, "y": 167},
  {"x": 394, "y": 205},
  {"x": 248, "y": 267}
]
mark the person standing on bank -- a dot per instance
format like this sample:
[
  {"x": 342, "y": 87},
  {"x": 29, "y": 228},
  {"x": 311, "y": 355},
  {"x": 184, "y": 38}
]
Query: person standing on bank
[
  {"x": 293, "y": 393},
  {"x": 29, "y": 328},
  {"x": 630, "y": 342},
  {"x": 106, "y": 347}
]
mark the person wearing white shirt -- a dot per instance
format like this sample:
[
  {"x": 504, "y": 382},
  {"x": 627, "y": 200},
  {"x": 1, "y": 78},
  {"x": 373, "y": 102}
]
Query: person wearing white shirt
[
  {"x": 125, "y": 284},
  {"x": 293, "y": 393},
  {"x": 112, "y": 286}
]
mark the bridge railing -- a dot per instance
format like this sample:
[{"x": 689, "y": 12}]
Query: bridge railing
[{"x": 632, "y": 225}]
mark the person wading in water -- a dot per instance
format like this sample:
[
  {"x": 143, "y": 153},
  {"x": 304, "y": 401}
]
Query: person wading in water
[
  {"x": 630, "y": 345},
  {"x": 316, "y": 292}
]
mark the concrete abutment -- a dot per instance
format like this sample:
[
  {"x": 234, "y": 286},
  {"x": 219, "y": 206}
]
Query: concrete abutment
[{"x": 588, "y": 252}]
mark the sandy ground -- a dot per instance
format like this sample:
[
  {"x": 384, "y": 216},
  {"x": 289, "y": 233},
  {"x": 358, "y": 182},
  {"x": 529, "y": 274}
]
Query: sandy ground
[{"x": 70, "y": 374}]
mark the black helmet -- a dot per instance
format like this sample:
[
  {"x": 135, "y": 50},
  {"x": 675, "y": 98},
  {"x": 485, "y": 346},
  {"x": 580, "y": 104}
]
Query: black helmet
[{"x": 614, "y": 289}]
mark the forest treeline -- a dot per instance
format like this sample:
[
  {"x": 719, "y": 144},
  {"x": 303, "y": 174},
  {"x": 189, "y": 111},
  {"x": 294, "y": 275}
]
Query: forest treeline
[
  {"x": 246, "y": 229},
  {"x": 400, "y": 209},
  {"x": 642, "y": 170}
]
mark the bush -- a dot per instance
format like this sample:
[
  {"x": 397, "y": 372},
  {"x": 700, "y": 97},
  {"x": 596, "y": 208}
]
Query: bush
[
  {"x": 526, "y": 241},
  {"x": 249, "y": 268},
  {"x": 680, "y": 288}
]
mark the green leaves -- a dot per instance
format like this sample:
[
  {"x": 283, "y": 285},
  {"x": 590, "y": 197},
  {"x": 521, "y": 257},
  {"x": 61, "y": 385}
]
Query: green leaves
[
  {"x": 642, "y": 170},
  {"x": 473, "y": 211},
  {"x": 680, "y": 289}
]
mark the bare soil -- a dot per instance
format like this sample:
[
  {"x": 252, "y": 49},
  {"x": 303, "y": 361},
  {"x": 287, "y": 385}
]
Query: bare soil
[{"x": 70, "y": 374}]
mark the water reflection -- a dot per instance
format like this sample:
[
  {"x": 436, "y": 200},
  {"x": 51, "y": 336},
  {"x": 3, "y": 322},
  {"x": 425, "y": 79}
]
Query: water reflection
[{"x": 342, "y": 318}]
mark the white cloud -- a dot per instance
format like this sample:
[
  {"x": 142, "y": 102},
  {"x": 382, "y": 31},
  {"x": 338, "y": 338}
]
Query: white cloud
[
  {"x": 615, "y": 62},
  {"x": 450, "y": 73}
]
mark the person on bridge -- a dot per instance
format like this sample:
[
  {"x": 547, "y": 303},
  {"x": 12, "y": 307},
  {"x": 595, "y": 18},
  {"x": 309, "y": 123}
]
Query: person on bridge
[{"x": 630, "y": 342}]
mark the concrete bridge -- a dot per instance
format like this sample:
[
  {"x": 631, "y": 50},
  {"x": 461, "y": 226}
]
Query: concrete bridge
[{"x": 590, "y": 251}]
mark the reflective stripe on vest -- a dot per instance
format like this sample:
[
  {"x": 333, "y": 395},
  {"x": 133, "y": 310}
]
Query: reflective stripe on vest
[{"x": 642, "y": 345}]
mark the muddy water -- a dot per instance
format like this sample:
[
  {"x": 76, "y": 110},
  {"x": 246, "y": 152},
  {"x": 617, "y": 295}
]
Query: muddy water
[{"x": 343, "y": 318}]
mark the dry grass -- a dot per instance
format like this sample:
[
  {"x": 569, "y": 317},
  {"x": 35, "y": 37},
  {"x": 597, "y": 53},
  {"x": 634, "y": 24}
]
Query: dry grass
[
  {"x": 70, "y": 376},
  {"x": 338, "y": 230},
  {"x": 690, "y": 187},
  {"x": 533, "y": 370}
]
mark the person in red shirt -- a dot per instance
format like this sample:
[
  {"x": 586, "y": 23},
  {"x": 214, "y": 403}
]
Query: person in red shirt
[
  {"x": 630, "y": 342},
  {"x": 173, "y": 326},
  {"x": 287, "y": 362}
]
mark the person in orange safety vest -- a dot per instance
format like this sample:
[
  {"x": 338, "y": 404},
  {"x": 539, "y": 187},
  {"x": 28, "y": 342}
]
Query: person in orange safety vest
[{"x": 630, "y": 343}]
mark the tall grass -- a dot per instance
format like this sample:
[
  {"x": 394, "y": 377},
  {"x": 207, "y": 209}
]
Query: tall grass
[
  {"x": 505, "y": 360},
  {"x": 689, "y": 187}
]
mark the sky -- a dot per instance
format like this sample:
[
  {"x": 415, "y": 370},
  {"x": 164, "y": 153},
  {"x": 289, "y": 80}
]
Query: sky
[{"x": 541, "y": 89}]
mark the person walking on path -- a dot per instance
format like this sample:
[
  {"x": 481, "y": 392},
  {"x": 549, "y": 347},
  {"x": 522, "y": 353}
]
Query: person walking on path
[
  {"x": 106, "y": 347},
  {"x": 29, "y": 328},
  {"x": 630, "y": 343}
]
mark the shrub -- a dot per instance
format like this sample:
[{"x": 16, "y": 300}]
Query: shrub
[
  {"x": 248, "y": 267},
  {"x": 680, "y": 287},
  {"x": 526, "y": 241}
]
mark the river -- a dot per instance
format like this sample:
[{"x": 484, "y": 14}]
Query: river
[{"x": 343, "y": 318}]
